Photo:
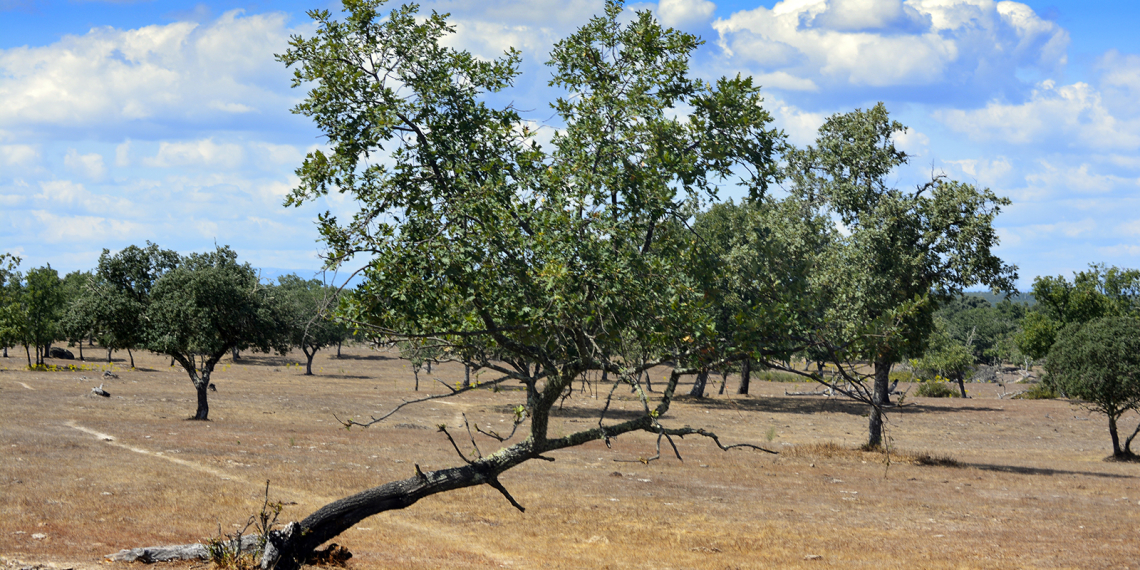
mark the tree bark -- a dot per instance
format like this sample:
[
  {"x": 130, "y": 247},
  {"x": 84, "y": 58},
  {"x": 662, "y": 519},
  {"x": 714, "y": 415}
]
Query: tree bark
[
  {"x": 879, "y": 399},
  {"x": 745, "y": 376},
  {"x": 202, "y": 385},
  {"x": 698, "y": 390},
  {"x": 723, "y": 381},
  {"x": 962, "y": 385},
  {"x": 29, "y": 354},
  {"x": 236, "y": 355},
  {"x": 287, "y": 549},
  {"x": 1112, "y": 431},
  {"x": 108, "y": 356},
  {"x": 308, "y": 359},
  {"x": 132, "y": 356},
  {"x": 466, "y": 375}
]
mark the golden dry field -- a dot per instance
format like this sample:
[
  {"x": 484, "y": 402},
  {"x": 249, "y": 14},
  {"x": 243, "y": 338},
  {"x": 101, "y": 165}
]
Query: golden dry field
[{"x": 83, "y": 476}]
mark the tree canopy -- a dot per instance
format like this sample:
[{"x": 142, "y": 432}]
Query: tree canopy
[
  {"x": 536, "y": 264},
  {"x": 1099, "y": 362},
  {"x": 203, "y": 308},
  {"x": 899, "y": 254}
]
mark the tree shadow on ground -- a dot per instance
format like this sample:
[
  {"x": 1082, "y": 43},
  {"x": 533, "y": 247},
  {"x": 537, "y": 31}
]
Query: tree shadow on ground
[
  {"x": 266, "y": 360},
  {"x": 817, "y": 404},
  {"x": 1042, "y": 471},
  {"x": 365, "y": 357}
]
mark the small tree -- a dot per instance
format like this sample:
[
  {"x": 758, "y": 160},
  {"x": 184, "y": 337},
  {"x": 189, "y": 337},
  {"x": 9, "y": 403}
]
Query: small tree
[
  {"x": 1099, "y": 362},
  {"x": 307, "y": 309},
  {"x": 945, "y": 357},
  {"x": 204, "y": 308},
  {"x": 41, "y": 308},
  {"x": 902, "y": 254},
  {"x": 10, "y": 285}
]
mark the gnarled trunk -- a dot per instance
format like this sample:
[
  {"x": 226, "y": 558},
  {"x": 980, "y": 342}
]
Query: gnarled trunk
[
  {"x": 879, "y": 399},
  {"x": 201, "y": 386},
  {"x": 286, "y": 549},
  {"x": 698, "y": 390}
]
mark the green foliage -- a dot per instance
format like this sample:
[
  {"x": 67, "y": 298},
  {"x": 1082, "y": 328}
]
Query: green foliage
[
  {"x": 901, "y": 254},
  {"x": 945, "y": 357},
  {"x": 552, "y": 261},
  {"x": 207, "y": 306},
  {"x": 1098, "y": 292},
  {"x": 11, "y": 284},
  {"x": 1099, "y": 362},
  {"x": 981, "y": 327},
  {"x": 306, "y": 308},
  {"x": 1038, "y": 391},
  {"x": 936, "y": 389}
]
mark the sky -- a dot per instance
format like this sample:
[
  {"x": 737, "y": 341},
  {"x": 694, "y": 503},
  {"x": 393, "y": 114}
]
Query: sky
[{"x": 123, "y": 121}]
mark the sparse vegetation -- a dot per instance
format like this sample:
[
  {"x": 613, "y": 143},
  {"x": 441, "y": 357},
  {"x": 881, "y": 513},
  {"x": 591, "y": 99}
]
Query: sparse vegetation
[{"x": 935, "y": 389}]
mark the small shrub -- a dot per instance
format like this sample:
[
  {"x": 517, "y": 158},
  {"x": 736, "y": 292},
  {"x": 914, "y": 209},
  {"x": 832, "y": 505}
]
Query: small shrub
[
  {"x": 935, "y": 390},
  {"x": 1039, "y": 391}
]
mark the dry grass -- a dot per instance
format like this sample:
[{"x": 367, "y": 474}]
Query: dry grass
[{"x": 975, "y": 483}]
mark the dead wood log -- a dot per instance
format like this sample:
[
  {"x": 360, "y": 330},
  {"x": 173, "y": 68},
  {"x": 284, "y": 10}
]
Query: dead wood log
[
  {"x": 99, "y": 391},
  {"x": 196, "y": 551}
]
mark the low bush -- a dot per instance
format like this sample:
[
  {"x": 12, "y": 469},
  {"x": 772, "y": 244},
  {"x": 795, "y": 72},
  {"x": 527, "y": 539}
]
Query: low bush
[
  {"x": 1039, "y": 391},
  {"x": 936, "y": 390}
]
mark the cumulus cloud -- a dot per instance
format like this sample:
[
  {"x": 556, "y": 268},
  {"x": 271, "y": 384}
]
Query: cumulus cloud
[
  {"x": 18, "y": 155},
  {"x": 890, "y": 43},
  {"x": 679, "y": 12},
  {"x": 197, "y": 153},
  {"x": 179, "y": 71},
  {"x": 89, "y": 166},
  {"x": 1061, "y": 116},
  {"x": 52, "y": 228}
]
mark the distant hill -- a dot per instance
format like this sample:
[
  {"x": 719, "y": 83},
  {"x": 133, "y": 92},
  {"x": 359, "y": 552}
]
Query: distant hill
[{"x": 995, "y": 299}]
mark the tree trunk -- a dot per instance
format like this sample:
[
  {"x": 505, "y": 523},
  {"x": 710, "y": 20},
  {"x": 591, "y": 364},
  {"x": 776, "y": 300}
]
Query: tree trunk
[
  {"x": 428, "y": 368},
  {"x": 6, "y": 352},
  {"x": 236, "y": 355},
  {"x": 308, "y": 360},
  {"x": 648, "y": 380},
  {"x": 79, "y": 344},
  {"x": 108, "y": 356},
  {"x": 698, "y": 390},
  {"x": 1117, "y": 452},
  {"x": 879, "y": 399},
  {"x": 132, "y": 358},
  {"x": 338, "y": 350},
  {"x": 288, "y": 548},
  {"x": 29, "y": 353},
  {"x": 962, "y": 385},
  {"x": 466, "y": 375},
  {"x": 201, "y": 386},
  {"x": 416, "y": 373},
  {"x": 723, "y": 381},
  {"x": 745, "y": 376}
]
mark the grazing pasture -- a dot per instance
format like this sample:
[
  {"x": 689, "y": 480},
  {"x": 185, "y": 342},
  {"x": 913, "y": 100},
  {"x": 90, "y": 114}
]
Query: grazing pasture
[{"x": 975, "y": 483}]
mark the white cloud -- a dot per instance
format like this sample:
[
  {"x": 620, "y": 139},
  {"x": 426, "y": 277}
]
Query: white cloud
[
  {"x": 880, "y": 43},
  {"x": 175, "y": 71},
  {"x": 984, "y": 171},
  {"x": 912, "y": 142},
  {"x": 18, "y": 155},
  {"x": 800, "y": 126},
  {"x": 1069, "y": 115},
  {"x": 197, "y": 153},
  {"x": 123, "y": 154},
  {"x": 679, "y": 12},
  {"x": 1079, "y": 179},
  {"x": 56, "y": 194},
  {"x": 52, "y": 228},
  {"x": 88, "y": 165}
]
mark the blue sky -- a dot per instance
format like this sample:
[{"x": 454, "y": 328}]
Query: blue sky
[{"x": 127, "y": 121}]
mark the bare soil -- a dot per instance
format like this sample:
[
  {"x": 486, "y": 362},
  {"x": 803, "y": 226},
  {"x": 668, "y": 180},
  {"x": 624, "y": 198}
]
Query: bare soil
[{"x": 976, "y": 483}]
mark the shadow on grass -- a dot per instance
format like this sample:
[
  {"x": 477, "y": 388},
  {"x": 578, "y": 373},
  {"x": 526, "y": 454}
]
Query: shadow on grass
[
  {"x": 816, "y": 404},
  {"x": 1043, "y": 471},
  {"x": 364, "y": 357}
]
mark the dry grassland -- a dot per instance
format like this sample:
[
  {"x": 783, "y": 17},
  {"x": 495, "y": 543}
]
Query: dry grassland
[{"x": 83, "y": 476}]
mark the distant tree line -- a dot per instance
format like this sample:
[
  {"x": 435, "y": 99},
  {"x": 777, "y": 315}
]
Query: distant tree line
[{"x": 195, "y": 309}]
